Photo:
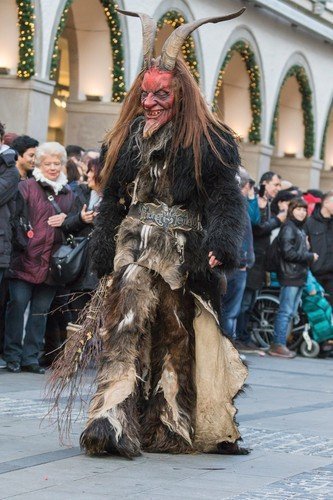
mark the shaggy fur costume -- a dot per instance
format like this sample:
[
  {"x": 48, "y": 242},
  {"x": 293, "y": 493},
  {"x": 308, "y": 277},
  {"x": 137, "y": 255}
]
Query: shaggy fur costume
[{"x": 151, "y": 376}]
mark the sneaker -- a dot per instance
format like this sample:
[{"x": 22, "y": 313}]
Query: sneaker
[
  {"x": 13, "y": 367},
  {"x": 242, "y": 357},
  {"x": 281, "y": 351},
  {"x": 246, "y": 346}
]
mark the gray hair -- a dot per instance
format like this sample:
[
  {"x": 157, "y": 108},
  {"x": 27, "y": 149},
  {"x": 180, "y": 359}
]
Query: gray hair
[
  {"x": 244, "y": 177},
  {"x": 52, "y": 149}
]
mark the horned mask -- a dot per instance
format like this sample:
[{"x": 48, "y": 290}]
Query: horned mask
[{"x": 157, "y": 94}]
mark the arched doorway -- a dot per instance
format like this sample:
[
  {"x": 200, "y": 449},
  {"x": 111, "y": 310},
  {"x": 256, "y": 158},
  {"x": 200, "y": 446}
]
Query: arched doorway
[
  {"x": 293, "y": 124},
  {"x": 237, "y": 99},
  {"x": 9, "y": 38},
  {"x": 292, "y": 133},
  {"x": 88, "y": 67},
  {"x": 166, "y": 24},
  {"x": 326, "y": 154},
  {"x": 327, "y": 144}
]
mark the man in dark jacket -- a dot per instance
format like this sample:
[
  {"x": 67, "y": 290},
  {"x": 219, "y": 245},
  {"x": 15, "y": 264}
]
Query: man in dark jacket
[
  {"x": 9, "y": 179},
  {"x": 319, "y": 228},
  {"x": 236, "y": 281},
  {"x": 25, "y": 147},
  {"x": 271, "y": 183}
]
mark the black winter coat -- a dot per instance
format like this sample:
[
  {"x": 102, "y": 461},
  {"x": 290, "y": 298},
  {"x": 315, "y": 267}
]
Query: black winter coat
[
  {"x": 9, "y": 178},
  {"x": 74, "y": 225},
  {"x": 295, "y": 257},
  {"x": 220, "y": 205},
  {"x": 320, "y": 232},
  {"x": 261, "y": 241}
]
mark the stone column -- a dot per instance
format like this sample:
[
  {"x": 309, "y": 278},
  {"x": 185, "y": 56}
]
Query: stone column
[
  {"x": 87, "y": 122},
  {"x": 256, "y": 158},
  {"x": 326, "y": 180},
  {"x": 302, "y": 172},
  {"x": 25, "y": 105}
]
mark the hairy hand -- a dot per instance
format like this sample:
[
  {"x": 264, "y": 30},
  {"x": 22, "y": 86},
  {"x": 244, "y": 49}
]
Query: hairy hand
[{"x": 213, "y": 262}]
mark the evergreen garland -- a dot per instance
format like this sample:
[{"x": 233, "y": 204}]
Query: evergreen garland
[
  {"x": 26, "y": 26},
  {"x": 252, "y": 68},
  {"x": 118, "y": 74},
  {"x": 304, "y": 87},
  {"x": 175, "y": 19}
]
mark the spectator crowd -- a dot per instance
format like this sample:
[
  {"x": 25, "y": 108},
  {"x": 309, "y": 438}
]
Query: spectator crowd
[{"x": 49, "y": 200}]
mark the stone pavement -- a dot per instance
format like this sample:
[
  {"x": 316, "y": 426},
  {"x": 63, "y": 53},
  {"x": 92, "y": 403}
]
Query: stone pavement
[{"x": 285, "y": 417}]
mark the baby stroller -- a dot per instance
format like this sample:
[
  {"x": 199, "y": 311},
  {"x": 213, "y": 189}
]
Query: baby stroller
[{"x": 262, "y": 319}]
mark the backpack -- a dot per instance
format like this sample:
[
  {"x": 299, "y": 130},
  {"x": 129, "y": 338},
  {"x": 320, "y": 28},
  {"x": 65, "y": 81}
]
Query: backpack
[{"x": 272, "y": 258}]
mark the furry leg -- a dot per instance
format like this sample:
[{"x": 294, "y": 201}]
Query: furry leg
[
  {"x": 168, "y": 419},
  {"x": 226, "y": 448},
  {"x": 113, "y": 424}
]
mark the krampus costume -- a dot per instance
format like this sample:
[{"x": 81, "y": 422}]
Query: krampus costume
[{"x": 171, "y": 220}]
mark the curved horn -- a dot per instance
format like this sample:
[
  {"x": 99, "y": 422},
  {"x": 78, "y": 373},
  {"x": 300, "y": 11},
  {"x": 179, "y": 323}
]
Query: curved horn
[
  {"x": 149, "y": 27},
  {"x": 175, "y": 41}
]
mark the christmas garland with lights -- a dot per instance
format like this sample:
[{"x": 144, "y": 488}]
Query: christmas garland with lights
[
  {"x": 175, "y": 19},
  {"x": 252, "y": 68},
  {"x": 26, "y": 26},
  {"x": 304, "y": 87},
  {"x": 118, "y": 74},
  {"x": 323, "y": 144}
]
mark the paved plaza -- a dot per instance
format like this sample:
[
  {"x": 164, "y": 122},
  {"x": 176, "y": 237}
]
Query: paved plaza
[{"x": 285, "y": 417}]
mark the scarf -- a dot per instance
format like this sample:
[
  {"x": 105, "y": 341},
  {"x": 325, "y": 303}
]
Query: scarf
[{"x": 55, "y": 185}]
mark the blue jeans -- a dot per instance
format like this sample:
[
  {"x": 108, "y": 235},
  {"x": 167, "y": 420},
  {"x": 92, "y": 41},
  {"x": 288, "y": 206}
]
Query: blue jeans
[
  {"x": 249, "y": 299},
  {"x": 232, "y": 301},
  {"x": 40, "y": 298},
  {"x": 2, "y": 272},
  {"x": 290, "y": 297}
]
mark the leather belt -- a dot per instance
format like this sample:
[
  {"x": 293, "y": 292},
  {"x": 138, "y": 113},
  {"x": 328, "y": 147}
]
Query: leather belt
[{"x": 166, "y": 217}]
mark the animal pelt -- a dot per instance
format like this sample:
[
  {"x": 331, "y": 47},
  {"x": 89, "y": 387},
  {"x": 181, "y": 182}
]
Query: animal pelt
[
  {"x": 146, "y": 381},
  {"x": 219, "y": 203},
  {"x": 168, "y": 416}
]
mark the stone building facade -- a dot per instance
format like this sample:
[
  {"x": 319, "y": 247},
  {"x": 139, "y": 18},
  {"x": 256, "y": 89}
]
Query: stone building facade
[{"x": 268, "y": 74}]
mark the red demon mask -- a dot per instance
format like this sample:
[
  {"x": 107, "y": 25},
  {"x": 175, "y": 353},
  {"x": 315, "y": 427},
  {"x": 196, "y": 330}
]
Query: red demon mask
[{"x": 157, "y": 99}]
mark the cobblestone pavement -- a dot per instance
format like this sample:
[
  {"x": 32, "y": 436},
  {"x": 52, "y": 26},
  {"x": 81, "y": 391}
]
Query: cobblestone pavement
[
  {"x": 285, "y": 418},
  {"x": 282, "y": 441},
  {"x": 317, "y": 484}
]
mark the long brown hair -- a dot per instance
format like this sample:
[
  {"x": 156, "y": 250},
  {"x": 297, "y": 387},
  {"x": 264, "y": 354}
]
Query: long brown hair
[{"x": 193, "y": 120}]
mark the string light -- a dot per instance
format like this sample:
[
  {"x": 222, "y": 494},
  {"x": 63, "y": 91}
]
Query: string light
[
  {"x": 174, "y": 19},
  {"x": 112, "y": 18},
  {"x": 252, "y": 68},
  {"x": 305, "y": 90},
  {"x": 26, "y": 25}
]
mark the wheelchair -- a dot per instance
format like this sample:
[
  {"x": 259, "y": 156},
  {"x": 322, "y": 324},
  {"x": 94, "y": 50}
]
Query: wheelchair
[{"x": 262, "y": 320}]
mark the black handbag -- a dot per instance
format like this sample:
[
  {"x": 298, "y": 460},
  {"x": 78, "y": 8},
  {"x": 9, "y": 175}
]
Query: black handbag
[
  {"x": 68, "y": 261},
  {"x": 21, "y": 226}
]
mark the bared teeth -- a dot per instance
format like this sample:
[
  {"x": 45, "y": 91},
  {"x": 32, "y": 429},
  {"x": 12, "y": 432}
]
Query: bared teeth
[{"x": 154, "y": 113}]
